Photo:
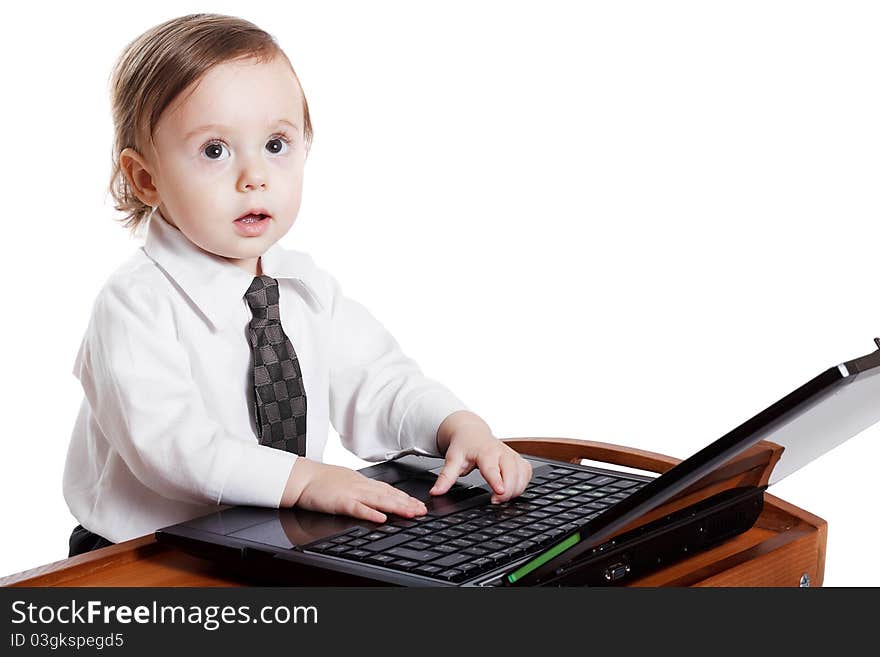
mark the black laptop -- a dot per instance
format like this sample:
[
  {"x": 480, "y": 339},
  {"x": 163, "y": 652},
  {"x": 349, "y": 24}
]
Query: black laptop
[{"x": 574, "y": 525}]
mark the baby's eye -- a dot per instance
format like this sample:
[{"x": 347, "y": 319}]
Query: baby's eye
[
  {"x": 276, "y": 144},
  {"x": 213, "y": 150}
]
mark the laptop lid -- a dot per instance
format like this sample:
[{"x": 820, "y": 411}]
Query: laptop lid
[{"x": 824, "y": 412}]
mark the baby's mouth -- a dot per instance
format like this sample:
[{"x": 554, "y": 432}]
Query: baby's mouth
[{"x": 252, "y": 218}]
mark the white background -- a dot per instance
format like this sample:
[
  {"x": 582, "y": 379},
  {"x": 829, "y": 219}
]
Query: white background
[{"x": 634, "y": 222}]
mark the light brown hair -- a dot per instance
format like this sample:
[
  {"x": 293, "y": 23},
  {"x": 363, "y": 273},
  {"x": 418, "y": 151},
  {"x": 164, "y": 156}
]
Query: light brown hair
[{"x": 160, "y": 64}]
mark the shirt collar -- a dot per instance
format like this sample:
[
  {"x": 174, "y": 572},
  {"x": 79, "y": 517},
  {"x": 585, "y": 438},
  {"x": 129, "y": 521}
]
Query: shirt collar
[{"x": 215, "y": 285}]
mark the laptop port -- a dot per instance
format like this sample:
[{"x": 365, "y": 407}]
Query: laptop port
[{"x": 616, "y": 572}]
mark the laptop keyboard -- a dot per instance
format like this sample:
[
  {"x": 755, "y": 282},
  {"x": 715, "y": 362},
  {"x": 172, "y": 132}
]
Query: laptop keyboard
[{"x": 460, "y": 545}]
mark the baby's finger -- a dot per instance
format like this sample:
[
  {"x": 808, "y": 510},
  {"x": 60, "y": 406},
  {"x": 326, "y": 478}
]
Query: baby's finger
[
  {"x": 524, "y": 474},
  {"x": 388, "y": 498},
  {"x": 509, "y": 476},
  {"x": 489, "y": 468},
  {"x": 526, "y": 469},
  {"x": 360, "y": 510},
  {"x": 451, "y": 469},
  {"x": 395, "y": 493}
]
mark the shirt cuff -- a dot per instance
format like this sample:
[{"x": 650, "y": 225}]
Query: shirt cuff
[
  {"x": 422, "y": 419},
  {"x": 258, "y": 477}
]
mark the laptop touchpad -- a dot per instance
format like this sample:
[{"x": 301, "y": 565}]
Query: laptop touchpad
[{"x": 449, "y": 502}]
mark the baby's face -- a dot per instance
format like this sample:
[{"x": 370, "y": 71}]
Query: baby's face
[{"x": 251, "y": 157}]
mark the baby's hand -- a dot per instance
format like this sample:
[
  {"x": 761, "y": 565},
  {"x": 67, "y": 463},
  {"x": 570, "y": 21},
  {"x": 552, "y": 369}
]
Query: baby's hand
[
  {"x": 471, "y": 443},
  {"x": 334, "y": 489}
]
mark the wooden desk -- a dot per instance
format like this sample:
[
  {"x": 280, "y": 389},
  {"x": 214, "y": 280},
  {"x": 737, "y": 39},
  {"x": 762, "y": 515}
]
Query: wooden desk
[{"x": 786, "y": 547}]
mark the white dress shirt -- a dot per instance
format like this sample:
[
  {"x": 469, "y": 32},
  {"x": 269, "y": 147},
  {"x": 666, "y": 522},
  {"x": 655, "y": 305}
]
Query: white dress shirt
[{"x": 166, "y": 430}]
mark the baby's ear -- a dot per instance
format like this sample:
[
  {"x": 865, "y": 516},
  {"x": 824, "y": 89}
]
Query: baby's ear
[{"x": 139, "y": 176}]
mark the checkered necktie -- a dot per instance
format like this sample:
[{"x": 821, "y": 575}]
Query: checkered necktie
[{"x": 279, "y": 393}]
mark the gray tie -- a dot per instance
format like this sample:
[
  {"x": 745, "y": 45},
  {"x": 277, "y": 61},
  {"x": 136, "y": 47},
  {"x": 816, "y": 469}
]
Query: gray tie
[{"x": 279, "y": 393}]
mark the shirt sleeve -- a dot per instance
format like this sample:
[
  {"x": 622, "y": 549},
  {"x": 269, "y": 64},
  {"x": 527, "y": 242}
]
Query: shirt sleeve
[
  {"x": 136, "y": 376},
  {"x": 381, "y": 404}
]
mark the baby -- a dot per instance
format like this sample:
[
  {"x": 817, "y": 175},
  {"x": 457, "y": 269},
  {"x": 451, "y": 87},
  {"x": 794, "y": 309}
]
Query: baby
[{"x": 214, "y": 358}]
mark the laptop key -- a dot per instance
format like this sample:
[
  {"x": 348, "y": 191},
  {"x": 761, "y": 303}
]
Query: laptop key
[
  {"x": 404, "y": 564},
  {"x": 494, "y": 545},
  {"x": 357, "y": 554},
  {"x": 525, "y": 532},
  {"x": 601, "y": 481},
  {"x": 427, "y": 570},
  {"x": 320, "y": 547},
  {"x": 418, "y": 545},
  {"x": 404, "y": 524},
  {"x": 438, "y": 525},
  {"x": 381, "y": 559},
  {"x": 451, "y": 560},
  {"x": 389, "y": 542},
  {"x": 433, "y": 540},
  {"x": 484, "y": 522},
  {"x": 415, "y": 555},
  {"x": 555, "y": 521},
  {"x": 498, "y": 557},
  {"x": 453, "y": 575},
  {"x": 469, "y": 568},
  {"x": 358, "y": 531},
  {"x": 450, "y": 533}
]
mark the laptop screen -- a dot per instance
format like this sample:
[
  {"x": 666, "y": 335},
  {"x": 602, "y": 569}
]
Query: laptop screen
[{"x": 811, "y": 420}]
